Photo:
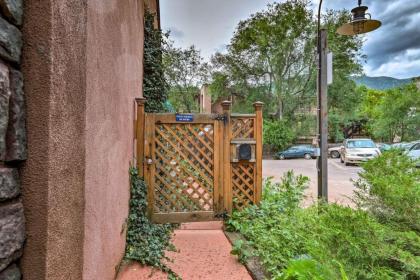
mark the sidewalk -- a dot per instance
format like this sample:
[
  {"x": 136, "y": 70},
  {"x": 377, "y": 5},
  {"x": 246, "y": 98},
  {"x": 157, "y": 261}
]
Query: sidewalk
[{"x": 204, "y": 254}]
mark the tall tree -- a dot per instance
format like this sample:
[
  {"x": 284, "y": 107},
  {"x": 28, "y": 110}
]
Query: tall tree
[
  {"x": 275, "y": 48},
  {"x": 185, "y": 72},
  {"x": 275, "y": 51},
  {"x": 343, "y": 96}
]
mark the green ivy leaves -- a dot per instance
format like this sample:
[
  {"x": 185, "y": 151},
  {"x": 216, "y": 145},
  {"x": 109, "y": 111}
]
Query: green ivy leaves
[{"x": 146, "y": 242}]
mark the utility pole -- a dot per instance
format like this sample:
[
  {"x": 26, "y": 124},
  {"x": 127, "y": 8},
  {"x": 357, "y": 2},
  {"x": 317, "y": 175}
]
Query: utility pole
[{"x": 322, "y": 163}]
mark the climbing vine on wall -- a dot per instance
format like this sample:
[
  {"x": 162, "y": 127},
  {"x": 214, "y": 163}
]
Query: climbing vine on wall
[
  {"x": 155, "y": 87},
  {"x": 146, "y": 242}
]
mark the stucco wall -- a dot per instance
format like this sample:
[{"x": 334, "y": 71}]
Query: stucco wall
[
  {"x": 53, "y": 178},
  {"x": 114, "y": 79},
  {"x": 82, "y": 62}
]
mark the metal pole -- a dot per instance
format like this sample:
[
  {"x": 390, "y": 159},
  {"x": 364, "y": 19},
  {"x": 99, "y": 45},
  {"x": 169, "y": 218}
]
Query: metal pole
[{"x": 322, "y": 162}]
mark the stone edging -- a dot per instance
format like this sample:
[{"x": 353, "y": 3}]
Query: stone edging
[{"x": 253, "y": 264}]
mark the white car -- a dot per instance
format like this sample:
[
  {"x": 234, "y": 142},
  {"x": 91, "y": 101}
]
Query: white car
[
  {"x": 358, "y": 150},
  {"x": 414, "y": 151},
  {"x": 334, "y": 152}
]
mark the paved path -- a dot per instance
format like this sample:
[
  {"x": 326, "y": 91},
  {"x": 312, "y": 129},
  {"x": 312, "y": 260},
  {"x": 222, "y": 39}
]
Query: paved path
[
  {"x": 204, "y": 254},
  {"x": 339, "y": 176},
  {"x": 204, "y": 251}
]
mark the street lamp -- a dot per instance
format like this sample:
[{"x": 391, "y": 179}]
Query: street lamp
[{"x": 358, "y": 25}]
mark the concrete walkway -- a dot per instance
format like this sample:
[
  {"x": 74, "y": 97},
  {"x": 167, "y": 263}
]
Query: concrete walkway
[{"x": 204, "y": 253}]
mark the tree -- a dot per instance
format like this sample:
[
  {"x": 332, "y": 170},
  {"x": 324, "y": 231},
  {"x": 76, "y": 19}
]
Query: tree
[
  {"x": 343, "y": 96},
  {"x": 272, "y": 57},
  {"x": 185, "y": 73},
  {"x": 275, "y": 48},
  {"x": 397, "y": 114}
]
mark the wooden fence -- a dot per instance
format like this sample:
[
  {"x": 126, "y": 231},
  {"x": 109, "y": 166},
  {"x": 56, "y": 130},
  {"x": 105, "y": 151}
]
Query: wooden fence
[{"x": 199, "y": 166}]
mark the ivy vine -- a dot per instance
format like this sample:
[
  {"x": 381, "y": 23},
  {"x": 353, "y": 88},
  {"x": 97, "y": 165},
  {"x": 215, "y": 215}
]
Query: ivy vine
[
  {"x": 146, "y": 242},
  {"x": 155, "y": 87}
]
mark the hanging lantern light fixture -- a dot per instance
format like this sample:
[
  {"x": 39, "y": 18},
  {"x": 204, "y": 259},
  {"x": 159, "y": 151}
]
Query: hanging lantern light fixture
[{"x": 360, "y": 23}]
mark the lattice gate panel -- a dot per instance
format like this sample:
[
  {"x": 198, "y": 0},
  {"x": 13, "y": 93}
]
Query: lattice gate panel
[
  {"x": 243, "y": 128},
  {"x": 195, "y": 165},
  {"x": 243, "y": 172},
  {"x": 184, "y": 165},
  {"x": 243, "y": 185}
]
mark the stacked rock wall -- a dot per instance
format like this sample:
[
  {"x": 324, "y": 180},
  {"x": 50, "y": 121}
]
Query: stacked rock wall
[{"x": 12, "y": 139}]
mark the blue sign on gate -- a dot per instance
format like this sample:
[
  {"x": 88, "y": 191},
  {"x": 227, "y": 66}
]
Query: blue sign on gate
[{"x": 184, "y": 117}]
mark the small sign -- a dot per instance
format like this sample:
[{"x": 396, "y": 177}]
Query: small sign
[
  {"x": 329, "y": 68},
  {"x": 184, "y": 117}
]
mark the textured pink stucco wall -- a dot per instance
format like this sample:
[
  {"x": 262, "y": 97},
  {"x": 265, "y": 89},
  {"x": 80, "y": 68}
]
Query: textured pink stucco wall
[
  {"x": 114, "y": 79},
  {"x": 82, "y": 63},
  {"x": 53, "y": 65}
]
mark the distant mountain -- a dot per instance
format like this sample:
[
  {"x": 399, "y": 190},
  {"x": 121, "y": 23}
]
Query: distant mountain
[{"x": 381, "y": 83}]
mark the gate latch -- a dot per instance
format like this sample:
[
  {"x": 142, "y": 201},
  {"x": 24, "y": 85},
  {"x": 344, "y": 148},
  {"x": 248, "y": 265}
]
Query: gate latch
[{"x": 220, "y": 117}]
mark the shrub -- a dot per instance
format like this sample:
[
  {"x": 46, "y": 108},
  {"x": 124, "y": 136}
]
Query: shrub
[
  {"x": 324, "y": 241},
  {"x": 389, "y": 188},
  {"x": 278, "y": 134}
]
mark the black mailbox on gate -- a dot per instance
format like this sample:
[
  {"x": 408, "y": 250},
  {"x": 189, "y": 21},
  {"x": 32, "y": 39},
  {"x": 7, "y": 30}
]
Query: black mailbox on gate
[{"x": 245, "y": 152}]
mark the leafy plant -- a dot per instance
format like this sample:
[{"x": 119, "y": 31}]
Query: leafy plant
[
  {"x": 146, "y": 242},
  {"x": 389, "y": 188},
  {"x": 278, "y": 134},
  {"x": 324, "y": 241},
  {"x": 241, "y": 249},
  {"x": 155, "y": 87}
]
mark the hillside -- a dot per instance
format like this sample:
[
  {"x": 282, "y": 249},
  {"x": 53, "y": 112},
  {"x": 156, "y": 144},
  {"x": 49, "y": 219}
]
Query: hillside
[{"x": 381, "y": 83}]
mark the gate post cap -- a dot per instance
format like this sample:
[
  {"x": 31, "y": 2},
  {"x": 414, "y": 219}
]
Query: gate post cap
[
  {"x": 226, "y": 104},
  {"x": 258, "y": 104},
  {"x": 140, "y": 100}
]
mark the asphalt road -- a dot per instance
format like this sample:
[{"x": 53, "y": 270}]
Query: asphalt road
[{"x": 340, "y": 187}]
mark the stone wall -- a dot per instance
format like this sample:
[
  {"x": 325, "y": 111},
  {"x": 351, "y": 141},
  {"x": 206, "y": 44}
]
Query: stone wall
[{"x": 12, "y": 139}]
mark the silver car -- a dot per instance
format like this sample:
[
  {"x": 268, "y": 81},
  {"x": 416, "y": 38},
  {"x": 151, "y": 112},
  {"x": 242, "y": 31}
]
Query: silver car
[
  {"x": 358, "y": 150},
  {"x": 414, "y": 151}
]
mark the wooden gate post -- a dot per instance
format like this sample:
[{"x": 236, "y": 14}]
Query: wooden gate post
[
  {"x": 227, "y": 134},
  {"x": 140, "y": 130},
  {"x": 258, "y": 149}
]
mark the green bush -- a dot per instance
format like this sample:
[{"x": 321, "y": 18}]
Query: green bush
[
  {"x": 278, "y": 134},
  {"x": 389, "y": 188},
  {"x": 325, "y": 241}
]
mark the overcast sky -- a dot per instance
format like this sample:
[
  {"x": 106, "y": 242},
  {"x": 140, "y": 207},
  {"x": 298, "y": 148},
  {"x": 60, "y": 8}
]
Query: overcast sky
[{"x": 393, "y": 50}]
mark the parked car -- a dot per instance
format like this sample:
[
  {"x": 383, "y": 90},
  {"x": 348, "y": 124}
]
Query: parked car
[
  {"x": 358, "y": 150},
  {"x": 402, "y": 146},
  {"x": 414, "y": 151},
  {"x": 334, "y": 152},
  {"x": 301, "y": 151},
  {"x": 383, "y": 147}
]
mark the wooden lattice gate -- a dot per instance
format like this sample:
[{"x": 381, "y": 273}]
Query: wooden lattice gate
[{"x": 199, "y": 167}]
